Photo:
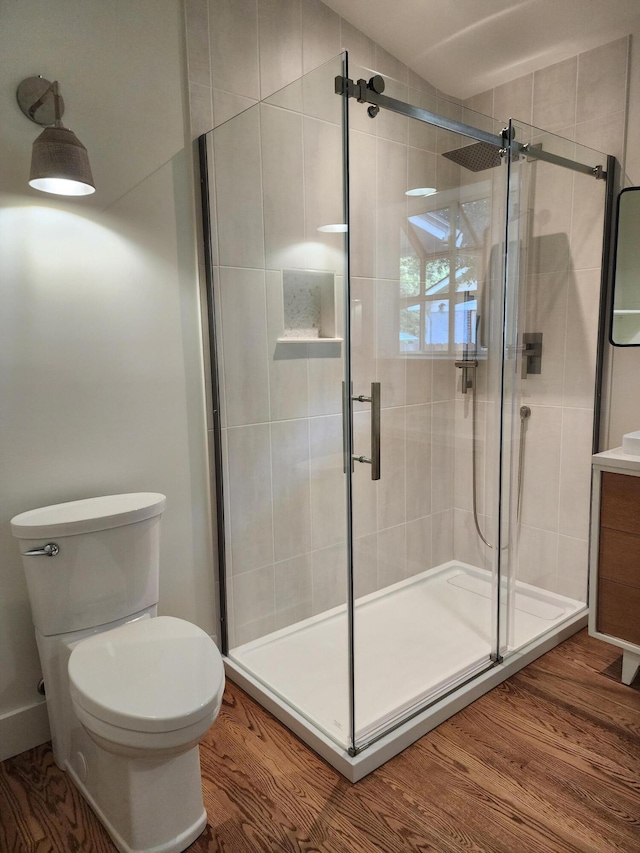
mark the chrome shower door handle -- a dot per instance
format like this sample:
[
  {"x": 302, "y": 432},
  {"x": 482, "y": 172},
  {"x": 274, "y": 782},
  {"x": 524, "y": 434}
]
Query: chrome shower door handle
[
  {"x": 375, "y": 430},
  {"x": 374, "y": 460}
]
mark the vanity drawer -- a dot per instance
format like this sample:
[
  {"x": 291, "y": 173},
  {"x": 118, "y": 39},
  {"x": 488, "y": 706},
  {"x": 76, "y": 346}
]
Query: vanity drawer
[
  {"x": 619, "y": 557},
  {"x": 620, "y": 502},
  {"x": 618, "y": 609}
]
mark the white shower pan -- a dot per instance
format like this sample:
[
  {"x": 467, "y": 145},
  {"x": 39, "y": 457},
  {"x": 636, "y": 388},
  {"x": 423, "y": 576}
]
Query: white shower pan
[{"x": 421, "y": 640}]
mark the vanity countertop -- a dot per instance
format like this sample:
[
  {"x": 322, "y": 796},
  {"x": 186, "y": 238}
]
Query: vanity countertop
[{"x": 616, "y": 459}]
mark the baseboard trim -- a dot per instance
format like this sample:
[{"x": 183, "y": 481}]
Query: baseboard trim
[{"x": 23, "y": 729}]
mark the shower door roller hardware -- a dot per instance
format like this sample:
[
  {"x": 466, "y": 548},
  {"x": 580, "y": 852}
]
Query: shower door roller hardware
[
  {"x": 531, "y": 353},
  {"x": 530, "y": 150},
  {"x": 361, "y": 90},
  {"x": 48, "y": 550},
  {"x": 466, "y": 365},
  {"x": 374, "y": 460}
]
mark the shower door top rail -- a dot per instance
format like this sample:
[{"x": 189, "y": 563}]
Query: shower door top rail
[{"x": 370, "y": 92}]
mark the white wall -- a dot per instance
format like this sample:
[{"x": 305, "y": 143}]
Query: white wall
[
  {"x": 624, "y": 400},
  {"x": 100, "y": 346}
]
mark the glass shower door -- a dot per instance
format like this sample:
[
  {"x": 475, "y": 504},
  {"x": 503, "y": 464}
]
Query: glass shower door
[
  {"x": 426, "y": 303},
  {"x": 556, "y": 225}
]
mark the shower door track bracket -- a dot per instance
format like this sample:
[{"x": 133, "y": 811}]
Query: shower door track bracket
[
  {"x": 535, "y": 152},
  {"x": 370, "y": 92}
]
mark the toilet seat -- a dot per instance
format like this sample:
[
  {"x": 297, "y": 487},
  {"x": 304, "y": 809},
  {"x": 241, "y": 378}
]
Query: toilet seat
[
  {"x": 144, "y": 744},
  {"x": 144, "y": 680}
]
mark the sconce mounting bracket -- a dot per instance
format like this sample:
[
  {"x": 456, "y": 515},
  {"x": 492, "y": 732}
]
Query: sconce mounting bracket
[{"x": 35, "y": 99}]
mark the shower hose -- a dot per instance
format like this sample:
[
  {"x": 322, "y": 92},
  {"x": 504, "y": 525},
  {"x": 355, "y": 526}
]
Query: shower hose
[{"x": 525, "y": 413}]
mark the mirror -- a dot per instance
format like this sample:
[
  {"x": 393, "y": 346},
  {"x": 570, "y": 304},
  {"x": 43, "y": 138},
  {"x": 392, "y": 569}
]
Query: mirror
[{"x": 625, "y": 319}]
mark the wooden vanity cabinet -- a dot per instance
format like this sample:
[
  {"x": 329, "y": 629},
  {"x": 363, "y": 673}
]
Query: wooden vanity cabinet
[
  {"x": 614, "y": 594},
  {"x": 618, "y": 609}
]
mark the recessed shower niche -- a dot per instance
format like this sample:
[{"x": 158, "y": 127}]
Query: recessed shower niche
[{"x": 309, "y": 303}]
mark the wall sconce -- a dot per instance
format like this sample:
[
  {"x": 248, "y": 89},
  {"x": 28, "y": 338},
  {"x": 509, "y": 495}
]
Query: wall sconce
[{"x": 59, "y": 161}]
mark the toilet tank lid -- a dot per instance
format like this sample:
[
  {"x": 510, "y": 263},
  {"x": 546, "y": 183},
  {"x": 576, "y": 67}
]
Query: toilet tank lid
[{"x": 87, "y": 516}]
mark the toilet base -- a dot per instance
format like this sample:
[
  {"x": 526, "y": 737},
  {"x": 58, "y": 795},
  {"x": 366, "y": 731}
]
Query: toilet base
[{"x": 146, "y": 805}]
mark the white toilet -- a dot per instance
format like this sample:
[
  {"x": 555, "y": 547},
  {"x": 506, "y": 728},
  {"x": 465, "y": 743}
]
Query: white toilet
[{"x": 129, "y": 694}]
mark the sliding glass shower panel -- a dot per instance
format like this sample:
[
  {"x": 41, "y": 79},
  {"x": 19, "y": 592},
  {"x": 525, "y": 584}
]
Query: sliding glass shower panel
[
  {"x": 556, "y": 222},
  {"x": 427, "y": 252},
  {"x": 279, "y": 205}
]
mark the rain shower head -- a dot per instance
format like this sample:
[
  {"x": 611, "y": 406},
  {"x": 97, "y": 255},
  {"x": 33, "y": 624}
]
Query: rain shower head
[{"x": 476, "y": 157}]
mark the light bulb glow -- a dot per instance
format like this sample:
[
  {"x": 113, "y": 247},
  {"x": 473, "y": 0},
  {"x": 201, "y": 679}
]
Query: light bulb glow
[
  {"x": 336, "y": 228},
  {"x": 421, "y": 191},
  {"x": 61, "y": 186}
]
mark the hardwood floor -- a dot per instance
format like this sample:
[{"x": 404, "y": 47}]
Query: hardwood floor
[{"x": 548, "y": 761}]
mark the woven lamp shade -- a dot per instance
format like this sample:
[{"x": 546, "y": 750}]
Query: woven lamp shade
[{"x": 60, "y": 163}]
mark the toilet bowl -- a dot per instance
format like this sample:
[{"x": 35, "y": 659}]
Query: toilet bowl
[
  {"x": 148, "y": 687},
  {"x": 129, "y": 694}
]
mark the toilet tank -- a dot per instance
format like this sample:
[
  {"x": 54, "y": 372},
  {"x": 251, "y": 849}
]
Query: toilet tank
[{"x": 106, "y": 565}]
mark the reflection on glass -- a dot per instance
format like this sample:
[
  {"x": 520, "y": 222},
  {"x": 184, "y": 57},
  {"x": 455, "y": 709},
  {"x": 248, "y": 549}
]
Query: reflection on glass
[
  {"x": 445, "y": 243},
  {"x": 625, "y": 328}
]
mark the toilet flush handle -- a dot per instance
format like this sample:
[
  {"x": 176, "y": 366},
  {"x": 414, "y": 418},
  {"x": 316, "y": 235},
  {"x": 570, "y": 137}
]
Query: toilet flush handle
[{"x": 48, "y": 550}]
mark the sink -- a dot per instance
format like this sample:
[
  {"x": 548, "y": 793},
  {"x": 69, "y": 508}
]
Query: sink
[{"x": 631, "y": 443}]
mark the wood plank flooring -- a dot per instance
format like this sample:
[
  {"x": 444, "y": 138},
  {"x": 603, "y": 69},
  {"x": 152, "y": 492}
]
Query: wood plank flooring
[{"x": 548, "y": 761}]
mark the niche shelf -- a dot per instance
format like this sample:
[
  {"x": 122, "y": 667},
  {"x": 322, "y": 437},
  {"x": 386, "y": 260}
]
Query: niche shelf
[{"x": 309, "y": 302}]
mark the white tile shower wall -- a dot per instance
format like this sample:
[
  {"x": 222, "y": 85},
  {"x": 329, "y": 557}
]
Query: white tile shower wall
[
  {"x": 282, "y": 187},
  {"x": 581, "y": 98},
  {"x": 244, "y": 340},
  {"x": 294, "y": 590},
  {"x": 288, "y": 370},
  {"x": 238, "y": 189},
  {"x": 279, "y": 44},
  {"x": 329, "y": 577},
  {"x": 328, "y": 515},
  {"x": 291, "y": 483},
  {"x": 250, "y": 497}
]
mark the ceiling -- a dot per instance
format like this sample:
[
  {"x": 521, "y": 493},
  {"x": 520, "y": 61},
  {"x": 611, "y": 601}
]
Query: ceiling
[{"x": 467, "y": 46}]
